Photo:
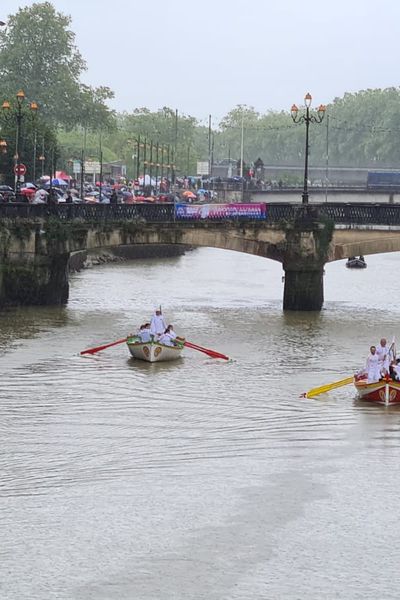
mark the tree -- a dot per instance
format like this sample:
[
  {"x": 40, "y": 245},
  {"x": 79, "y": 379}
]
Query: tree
[
  {"x": 37, "y": 140},
  {"x": 38, "y": 54}
]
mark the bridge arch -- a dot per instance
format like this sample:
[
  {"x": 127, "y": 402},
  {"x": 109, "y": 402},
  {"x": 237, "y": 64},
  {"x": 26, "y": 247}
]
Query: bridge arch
[
  {"x": 363, "y": 241},
  {"x": 268, "y": 242}
]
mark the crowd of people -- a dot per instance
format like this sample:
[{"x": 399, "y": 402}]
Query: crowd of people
[
  {"x": 381, "y": 363},
  {"x": 111, "y": 191},
  {"x": 157, "y": 330}
]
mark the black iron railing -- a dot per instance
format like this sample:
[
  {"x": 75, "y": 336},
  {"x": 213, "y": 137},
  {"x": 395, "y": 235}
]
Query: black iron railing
[
  {"x": 93, "y": 213},
  {"x": 348, "y": 214}
]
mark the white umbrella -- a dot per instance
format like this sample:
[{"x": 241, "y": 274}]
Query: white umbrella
[{"x": 147, "y": 180}]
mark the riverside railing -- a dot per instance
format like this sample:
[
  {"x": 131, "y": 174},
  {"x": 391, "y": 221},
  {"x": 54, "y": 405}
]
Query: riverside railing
[{"x": 348, "y": 214}]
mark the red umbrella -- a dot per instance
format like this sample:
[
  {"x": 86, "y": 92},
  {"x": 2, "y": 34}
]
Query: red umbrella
[{"x": 28, "y": 192}]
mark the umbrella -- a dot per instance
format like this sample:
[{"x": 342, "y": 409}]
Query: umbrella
[
  {"x": 201, "y": 191},
  {"x": 27, "y": 192},
  {"x": 146, "y": 180},
  {"x": 63, "y": 175},
  {"x": 30, "y": 186},
  {"x": 59, "y": 182},
  {"x": 189, "y": 194}
]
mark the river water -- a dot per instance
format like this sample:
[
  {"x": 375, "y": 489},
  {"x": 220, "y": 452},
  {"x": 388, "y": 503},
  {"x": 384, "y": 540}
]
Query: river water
[{"x": 199, "y": 479}]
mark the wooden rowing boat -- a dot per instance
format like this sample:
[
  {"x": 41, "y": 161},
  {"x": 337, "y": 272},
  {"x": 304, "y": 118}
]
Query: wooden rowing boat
[
  {"x": 385, "y": 391},
  {"x": 153, "y": 351}
]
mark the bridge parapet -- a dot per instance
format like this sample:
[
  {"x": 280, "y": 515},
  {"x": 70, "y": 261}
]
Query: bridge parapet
[{"x": 357, "y": 213}]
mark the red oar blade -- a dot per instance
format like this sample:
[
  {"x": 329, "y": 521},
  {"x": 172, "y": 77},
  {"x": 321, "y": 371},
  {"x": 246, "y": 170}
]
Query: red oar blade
[
  {"x": 99, "y": 348},
  {"x": 211, "y": 353}
]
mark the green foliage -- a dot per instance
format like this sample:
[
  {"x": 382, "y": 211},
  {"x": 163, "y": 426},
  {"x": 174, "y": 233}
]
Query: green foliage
[
  {"x": 31, "y": 129},
  {"x": 38, "y": 54},
  {"x": 360, "y": 129}
]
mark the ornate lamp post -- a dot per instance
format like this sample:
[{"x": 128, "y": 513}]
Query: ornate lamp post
[
  {"x": 307, "y": 118},
  {"x": 18, "y": 113}
]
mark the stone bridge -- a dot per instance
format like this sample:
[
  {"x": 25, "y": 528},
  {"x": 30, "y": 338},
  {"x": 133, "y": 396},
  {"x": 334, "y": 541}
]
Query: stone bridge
[{"x": 36, "y": 242}]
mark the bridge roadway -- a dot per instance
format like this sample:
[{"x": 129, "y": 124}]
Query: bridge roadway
[{"x": 37, "y": 240}]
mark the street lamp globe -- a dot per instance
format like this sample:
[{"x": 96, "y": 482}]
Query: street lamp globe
[
  {"x": 20, "y": 96},
  {"x": 293, "y": 111}
]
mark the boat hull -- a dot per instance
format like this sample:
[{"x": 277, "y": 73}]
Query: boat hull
[
  {"x": 356, "y": 264},
  {"x": 381, "y": 392},
  {"x": 153, "y": 351}
]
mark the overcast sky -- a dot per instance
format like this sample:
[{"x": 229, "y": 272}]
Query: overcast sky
[{"x": 206, "y": 56}]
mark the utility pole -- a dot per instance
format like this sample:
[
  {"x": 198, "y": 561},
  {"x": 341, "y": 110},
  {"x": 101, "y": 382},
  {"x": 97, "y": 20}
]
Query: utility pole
[
  {"x": 242, "y": 146},
  {"x": 327, "y": 159},
  {"x": 138, "y": 157},
  {"x": 175, "y": 146},
  {"x": 101, "y": 170},
  {"x": 82, "y": 171},
  {"x": 209, "y": 145}
]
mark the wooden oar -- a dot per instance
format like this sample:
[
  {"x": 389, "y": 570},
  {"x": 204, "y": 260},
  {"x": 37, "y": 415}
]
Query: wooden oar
[
  {"x": 211, "y": 353},
  {"x": 98, "y": 348},
  {"x": 325, "y": 388}
]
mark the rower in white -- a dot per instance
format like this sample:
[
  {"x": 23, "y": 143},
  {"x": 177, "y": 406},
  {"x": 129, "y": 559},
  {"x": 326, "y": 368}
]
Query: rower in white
[
  {"x": 373, "y": 366},
  {"x": 166, "y": 339},
  {"x": 383, "y": 353},
  {"x": 144, "y": 333}
]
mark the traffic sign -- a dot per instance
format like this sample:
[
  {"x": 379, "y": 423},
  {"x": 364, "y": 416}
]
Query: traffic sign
[{"x": 20, "y": 169}]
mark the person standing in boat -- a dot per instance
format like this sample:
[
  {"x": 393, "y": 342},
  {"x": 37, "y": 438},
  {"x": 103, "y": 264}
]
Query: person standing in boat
[
  {"x": 157, "y": 324},
  {"x": 373, "y": 366},
  {"x": 383, "y": 353}
]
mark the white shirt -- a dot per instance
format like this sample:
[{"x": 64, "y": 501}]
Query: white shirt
[
  {"x": 145, "y": 335},
  {"x": 166, "y": 340},
  {"x": 383, "y": 355},
  {"x": 157, "y": 325},
  {"x": 373, "y": 367}
]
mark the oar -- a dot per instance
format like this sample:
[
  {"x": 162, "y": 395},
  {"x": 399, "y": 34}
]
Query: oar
[
  {"x": 211, "y": 353},
  {"x": 325, "y": 388},
  {"x": 94, "y": 350}
]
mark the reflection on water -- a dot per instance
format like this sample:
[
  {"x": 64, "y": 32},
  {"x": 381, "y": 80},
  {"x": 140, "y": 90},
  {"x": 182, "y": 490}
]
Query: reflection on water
[{"x": 199, "y": 478}]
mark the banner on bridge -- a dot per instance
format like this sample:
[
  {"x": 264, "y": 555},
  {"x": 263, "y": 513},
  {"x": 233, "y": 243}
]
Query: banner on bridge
[{"x": 220, "y": 211}]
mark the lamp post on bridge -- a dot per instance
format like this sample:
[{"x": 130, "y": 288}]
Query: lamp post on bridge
[
  {"x": 18, "y": 114},
  {"x": 307, "y": 118}
]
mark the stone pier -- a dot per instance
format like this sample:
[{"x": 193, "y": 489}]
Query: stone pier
[
  {"x": 32, "y": 270},
  {"x": 307, "y": 248}
]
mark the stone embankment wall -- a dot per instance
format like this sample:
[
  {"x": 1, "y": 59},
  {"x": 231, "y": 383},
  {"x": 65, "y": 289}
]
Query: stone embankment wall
[{"x": 83, "y": 259}]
